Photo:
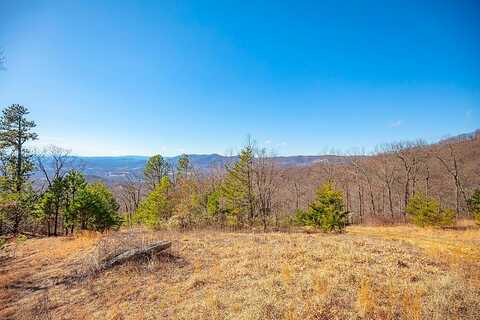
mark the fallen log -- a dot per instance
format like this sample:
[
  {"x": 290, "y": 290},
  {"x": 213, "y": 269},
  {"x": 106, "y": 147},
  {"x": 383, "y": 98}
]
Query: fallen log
[{"x": 133, "y": 254}]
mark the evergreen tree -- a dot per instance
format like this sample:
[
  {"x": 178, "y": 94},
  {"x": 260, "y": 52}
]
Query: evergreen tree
[
  {"x": 215, "y": 209},
  {"x": 155, "y": 169},
  {"x": 15, "y": 131},
  {"x": 74, "y": 184},
  {"x": 183, "y": 166},
  {"x": 157, "y": 207},
  {"x": 237, "y": 190},
  {"x": 424, "y": 211},
  {"x": 327, "y": 210},
  {"x": 96, "y": 208},
  {"x": 44, "y": 210},
  {"x": 51, "y": 203},
  {"x": 474, "y": 205}
]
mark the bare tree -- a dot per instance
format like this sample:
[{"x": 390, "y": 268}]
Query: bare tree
[
  {"x": 346, "y": 188},
  {"x": 296, "y": 187},
  {"x": 387, "y": 173},
  {"x": 410, "y": 154},
  {"x": 427, "y": 178},
  {"x": 265, "y": 177},
  {"x": 130, "y": 194},
  {"x": 329, "y": 170},
  {"x": 362, "y": 169},
  {"x": 54, "y": 163},
  {"x": 452, "y": 163}
]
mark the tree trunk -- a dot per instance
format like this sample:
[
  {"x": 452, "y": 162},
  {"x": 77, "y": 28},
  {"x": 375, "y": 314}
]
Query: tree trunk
[
  {"x": 427, "y": 182},
  {"x": 457, "y": 199},
  {"x": 360, "y": 201},
  {"x": 383, "y": 201},
  {"x": 347, "y": 193},
  {"x": 133, "y": 254},
  {"x": 405, "y": 199},
  {"x": 390, "y": 202},
  {"x": 56, "y": 222}
]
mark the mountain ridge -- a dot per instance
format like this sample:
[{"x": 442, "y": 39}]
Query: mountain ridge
[{"x": 118, "y": 167}]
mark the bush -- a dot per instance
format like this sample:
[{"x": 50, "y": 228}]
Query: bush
[
  {"x": 155, "y": 210},
  {"x": 424, "y": 211},
  {"x": 326, "y": 212},
  {"x": 96, "y": 208},
  {"x": 474, "y": 205}
]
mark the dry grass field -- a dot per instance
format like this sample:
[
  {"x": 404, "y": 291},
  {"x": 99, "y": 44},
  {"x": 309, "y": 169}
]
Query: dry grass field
[{"x": 399, "y": 272}]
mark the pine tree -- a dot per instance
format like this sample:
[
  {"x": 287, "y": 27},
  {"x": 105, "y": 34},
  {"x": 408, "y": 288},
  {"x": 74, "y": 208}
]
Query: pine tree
[
  {"x": 155, "y": 169},
  {"x": 474, "y": 205},
  {"x": 75, "y": 183},
  {"x": 15, "y": 131},
  {"x": 424, "y": 211},
  {"x": 156, "y": 208},
  {"x": 237, "y": 190},
  {"x": 326, "y": 211},
  {"x": 183, "y": 166},
  {"x": 96, "y": 208}
]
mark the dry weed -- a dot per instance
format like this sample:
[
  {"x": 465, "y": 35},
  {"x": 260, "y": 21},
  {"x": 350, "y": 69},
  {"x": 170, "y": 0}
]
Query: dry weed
[{"x": 369, "y": 273}]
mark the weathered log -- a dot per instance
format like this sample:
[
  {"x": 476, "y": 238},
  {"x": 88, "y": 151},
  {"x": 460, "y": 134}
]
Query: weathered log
[{"x": 133, "y": 254}]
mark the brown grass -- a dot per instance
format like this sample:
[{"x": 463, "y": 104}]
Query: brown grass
[{"x": 397, "y": 272}]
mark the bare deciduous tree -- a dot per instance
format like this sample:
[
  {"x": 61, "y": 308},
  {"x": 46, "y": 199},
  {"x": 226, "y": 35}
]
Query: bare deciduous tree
[
  {"x": 54, "y": 162},
  {"x": 130, "y": 194},
  {"x": 265, "y": 177},
  {"x": 452, "y": 165},
  {"x": 410, "y": 155},
  {"x": 362, "y": 169},
  {"x": 387, "y": 174}
]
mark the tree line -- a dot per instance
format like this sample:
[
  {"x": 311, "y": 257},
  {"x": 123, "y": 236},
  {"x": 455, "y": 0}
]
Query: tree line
[
  {"x": 61, "y": 202},
  {"x": 401, "y": 182},
  {"x": 426, "y": 184}
]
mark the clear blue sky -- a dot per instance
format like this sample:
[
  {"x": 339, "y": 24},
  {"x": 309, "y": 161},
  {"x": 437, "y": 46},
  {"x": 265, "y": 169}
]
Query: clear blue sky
[{"x": 145, "y": 77}]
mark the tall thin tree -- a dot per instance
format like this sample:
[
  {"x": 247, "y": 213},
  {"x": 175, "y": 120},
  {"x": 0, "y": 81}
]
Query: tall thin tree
[{"x": 15, "y": 131}]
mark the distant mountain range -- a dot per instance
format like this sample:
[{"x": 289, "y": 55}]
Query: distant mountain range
[
  {"x": 116, "y": 168},
  {"x": 462, "y": 137}
]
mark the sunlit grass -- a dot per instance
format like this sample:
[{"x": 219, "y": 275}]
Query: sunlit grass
[{"x": 399, "y": 272}]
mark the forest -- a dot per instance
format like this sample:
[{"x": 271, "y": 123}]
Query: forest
[{"x": 403, "y": 182}]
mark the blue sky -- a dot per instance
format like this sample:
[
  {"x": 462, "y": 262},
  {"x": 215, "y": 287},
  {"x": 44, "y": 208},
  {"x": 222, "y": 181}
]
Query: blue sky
[{"x": 302, "y": 77}]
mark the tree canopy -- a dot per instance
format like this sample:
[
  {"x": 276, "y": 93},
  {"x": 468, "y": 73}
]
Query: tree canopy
[{"x": 155, "y": 169}]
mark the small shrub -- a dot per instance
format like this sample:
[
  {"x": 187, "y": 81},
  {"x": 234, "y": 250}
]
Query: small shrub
[
  {"x": 174, "y": 223},
  {"x": 301, "y": 217},
  {"x": 326, "y": 212},
  {"x": 21, "y": 239},
  {"x": 424, "y": 211},
  {"x": 474, "y": 205}
]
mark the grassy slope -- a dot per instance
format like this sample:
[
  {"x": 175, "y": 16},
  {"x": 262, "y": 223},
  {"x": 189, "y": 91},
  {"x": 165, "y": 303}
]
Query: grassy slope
[{"x": 370, "y": 272}]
